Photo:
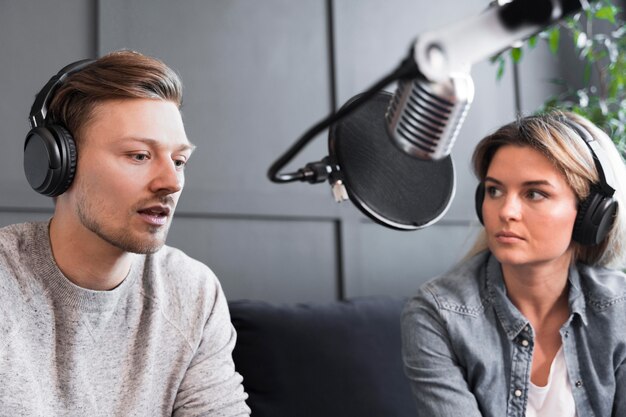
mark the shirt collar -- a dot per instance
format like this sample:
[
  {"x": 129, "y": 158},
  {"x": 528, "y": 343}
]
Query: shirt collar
[
  {"x": 510, "y": 317},
  {"x": 576, "y": 296}
]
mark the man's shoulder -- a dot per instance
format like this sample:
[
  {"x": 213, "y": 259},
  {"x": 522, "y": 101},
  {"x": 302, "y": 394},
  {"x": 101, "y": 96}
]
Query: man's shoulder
[
  {"x": 18, "y": 239},
  {"x": 184, "y": 290},
  {"x": 15, "y": 235},
  {"x": 16, "y": 260},
  {"x": 176, "y": 263},
  {"x": 173, "y": 275}
]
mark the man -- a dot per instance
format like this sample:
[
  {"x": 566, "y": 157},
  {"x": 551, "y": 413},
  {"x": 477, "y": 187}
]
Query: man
[{"x": 97, "y": 316}]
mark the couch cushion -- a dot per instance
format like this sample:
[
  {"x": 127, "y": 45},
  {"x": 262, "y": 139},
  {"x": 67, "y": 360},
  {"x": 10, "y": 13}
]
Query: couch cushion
[{"x": 334, "y": 359}]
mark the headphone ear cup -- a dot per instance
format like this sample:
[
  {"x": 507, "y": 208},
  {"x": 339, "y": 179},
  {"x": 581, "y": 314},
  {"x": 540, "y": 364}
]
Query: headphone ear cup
[
  {"x": 594, "y": 219},
  {"x": 479, "y": 197},
  {"x": 50, "y": 159},
  {"x": 580, "y": 232}
]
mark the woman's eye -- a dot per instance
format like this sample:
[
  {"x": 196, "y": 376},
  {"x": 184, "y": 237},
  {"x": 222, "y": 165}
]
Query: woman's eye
[
  {"x": 535, "y": 195},
  {"x": 180, "y": 163},
  {"x": 493, "y": 192}
]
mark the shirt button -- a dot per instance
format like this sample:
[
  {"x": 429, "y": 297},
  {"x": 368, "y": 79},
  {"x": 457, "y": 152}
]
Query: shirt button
[
  {"x": 518, "y": 393},
  {"x": 579, "y": 383},
  {"x": 524, "y": 342}
]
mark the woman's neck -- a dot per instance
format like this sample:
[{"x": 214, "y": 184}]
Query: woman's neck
[{"x": 538, "y": 291}]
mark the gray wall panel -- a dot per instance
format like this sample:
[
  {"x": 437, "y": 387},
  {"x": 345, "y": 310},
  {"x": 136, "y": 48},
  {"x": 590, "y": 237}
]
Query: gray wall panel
[
  {"x": 372, "y": 36},
  {"x": 277, "y": 261},
  {"x": 256, "y": 76},
  {"x": 7, "y": 218},
  {"x": 397, "y": 264},
  {"x": 537, "y": 70},
  {"x": 38, "y": 38}
]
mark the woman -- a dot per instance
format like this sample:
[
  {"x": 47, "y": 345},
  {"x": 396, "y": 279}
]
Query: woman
[{"x": 533, "y": 323}]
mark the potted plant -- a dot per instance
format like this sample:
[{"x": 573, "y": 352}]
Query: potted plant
[{"x": 598, "y": 35}]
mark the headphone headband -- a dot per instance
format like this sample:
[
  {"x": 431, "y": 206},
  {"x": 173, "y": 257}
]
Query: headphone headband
[
  {"x": 599, "y": 157},
  {"x": 39, "y": 109}
]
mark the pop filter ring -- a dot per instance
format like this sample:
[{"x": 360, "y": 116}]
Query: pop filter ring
[{"x": 388, "y": 185}]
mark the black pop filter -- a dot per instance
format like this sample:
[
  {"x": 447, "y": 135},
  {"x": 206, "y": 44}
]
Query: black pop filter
[{"x": 390, "y": 186}]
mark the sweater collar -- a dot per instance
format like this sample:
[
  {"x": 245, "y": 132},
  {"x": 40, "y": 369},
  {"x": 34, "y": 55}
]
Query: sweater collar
[{"x": 64, "y": 291}]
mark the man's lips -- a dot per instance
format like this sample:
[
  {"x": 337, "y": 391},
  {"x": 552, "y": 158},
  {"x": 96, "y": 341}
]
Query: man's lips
[
  {"x": 155, "y": 215},
  {"x": 157, "y": 209}
]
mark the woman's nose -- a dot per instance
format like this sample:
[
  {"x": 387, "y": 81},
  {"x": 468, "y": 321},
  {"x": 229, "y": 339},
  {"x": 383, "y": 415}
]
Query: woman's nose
[{"x": 511, "y": 208}]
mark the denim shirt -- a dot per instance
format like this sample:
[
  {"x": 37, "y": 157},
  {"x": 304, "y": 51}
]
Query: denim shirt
[{"x": 468, "y": 350}]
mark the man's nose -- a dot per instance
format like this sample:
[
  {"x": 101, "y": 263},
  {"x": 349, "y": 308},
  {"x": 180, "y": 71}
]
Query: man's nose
[{"x": 167, "y": 178}]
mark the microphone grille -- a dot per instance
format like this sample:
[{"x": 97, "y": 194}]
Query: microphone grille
[{"x": 424, "y": 118}]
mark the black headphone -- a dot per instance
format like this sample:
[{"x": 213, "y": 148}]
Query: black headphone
[
  {"x": 49, "y": 149},
  {"x": 596, "y": 213}
]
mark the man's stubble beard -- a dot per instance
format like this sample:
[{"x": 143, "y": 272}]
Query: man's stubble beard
[{"x": 119, "y": 237}]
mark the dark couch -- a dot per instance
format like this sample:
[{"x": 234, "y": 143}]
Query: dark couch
[{"x": 323, "y": 360}]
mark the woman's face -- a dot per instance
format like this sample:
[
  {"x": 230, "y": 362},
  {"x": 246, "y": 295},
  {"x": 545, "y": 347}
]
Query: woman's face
[{"x": 529, "y": 209}]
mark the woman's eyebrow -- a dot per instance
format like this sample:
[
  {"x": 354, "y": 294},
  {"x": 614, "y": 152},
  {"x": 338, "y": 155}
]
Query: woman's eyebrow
[{"x": 533, "y": 183}]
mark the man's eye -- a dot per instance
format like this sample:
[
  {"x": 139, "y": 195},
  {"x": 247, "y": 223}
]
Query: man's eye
[{"x": 139, "y": 156}]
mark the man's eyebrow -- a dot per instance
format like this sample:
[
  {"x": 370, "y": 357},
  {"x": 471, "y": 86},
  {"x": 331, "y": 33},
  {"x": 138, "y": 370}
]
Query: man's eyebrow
[
  {"x": 526, "y": 183},
  {"x": 152, "y": 142}
]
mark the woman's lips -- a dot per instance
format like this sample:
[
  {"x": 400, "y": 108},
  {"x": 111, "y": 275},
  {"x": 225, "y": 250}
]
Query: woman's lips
[{"x": 508, "y": 237}]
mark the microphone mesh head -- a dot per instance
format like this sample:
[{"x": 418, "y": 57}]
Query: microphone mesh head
[{"x": 424, "y": 118}]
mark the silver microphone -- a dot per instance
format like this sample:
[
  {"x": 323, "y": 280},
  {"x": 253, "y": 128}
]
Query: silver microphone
[{"x": 424, "y": 117}]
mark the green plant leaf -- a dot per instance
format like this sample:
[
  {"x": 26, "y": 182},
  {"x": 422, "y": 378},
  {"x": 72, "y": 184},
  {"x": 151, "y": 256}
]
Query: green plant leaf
[
  {"x": 500, "y": 70},
  {"x": 554, "y": 36},
  {"x": 607, "y": 13},
  {"x": 587, "y": 73},
  {"x": 516, "y": 54},
  {"x": 532, "y": 41}
]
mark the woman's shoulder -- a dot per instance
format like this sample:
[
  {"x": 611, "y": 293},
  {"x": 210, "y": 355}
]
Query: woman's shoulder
[
  {"x": 462, "y": 289},
  {"x": 603, "y": 287}
]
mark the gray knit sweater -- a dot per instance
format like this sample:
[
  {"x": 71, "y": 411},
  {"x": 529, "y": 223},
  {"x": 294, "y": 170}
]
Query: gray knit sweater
[{"x": 157, "y": 345}]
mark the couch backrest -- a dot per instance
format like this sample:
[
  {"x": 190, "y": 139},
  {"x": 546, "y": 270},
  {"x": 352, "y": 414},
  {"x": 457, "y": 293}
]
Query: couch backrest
[{"x": 323, "y": 360}]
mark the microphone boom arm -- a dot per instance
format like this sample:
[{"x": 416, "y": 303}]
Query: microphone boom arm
[
  {"x": 437, "y": 55},
  {"x": 454, "y": 48}
]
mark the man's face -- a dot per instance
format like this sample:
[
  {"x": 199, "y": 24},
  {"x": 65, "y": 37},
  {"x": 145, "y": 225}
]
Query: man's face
[{"x": 130, "y": 173}]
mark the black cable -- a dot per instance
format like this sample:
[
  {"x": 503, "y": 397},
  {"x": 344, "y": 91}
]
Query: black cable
[{"x": 406, "y": 69}]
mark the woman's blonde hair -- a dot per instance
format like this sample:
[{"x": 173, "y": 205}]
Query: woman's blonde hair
[{"x": 553, "y": 136}]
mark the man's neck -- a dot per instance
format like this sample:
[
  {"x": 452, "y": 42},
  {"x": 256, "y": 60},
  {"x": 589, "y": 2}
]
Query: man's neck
[{"x": 85, "y": 259}]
